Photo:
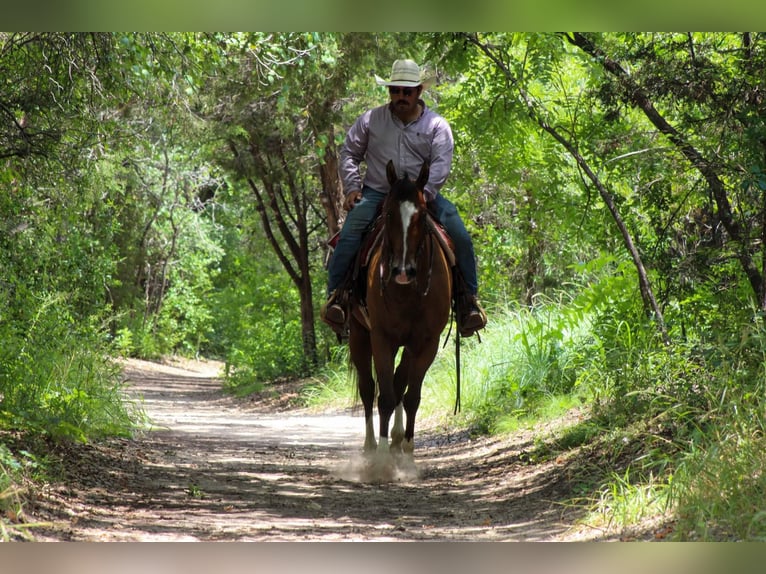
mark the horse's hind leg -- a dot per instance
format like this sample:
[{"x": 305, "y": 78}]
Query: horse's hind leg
[
  {"x": 361, "y": 356},
  {"x": 367, "y": 393}
]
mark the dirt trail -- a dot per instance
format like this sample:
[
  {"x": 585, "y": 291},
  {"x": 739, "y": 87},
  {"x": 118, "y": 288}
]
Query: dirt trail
[{"x": 214, "y": 468}]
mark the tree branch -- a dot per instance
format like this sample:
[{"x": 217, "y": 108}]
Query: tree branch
[
  {"x": 534, "y": 112},
  {"x": 638, "y": 98}
]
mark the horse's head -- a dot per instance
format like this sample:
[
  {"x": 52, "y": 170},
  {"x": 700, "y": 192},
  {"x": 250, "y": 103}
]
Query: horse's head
[{"x": 405, "y": 220}]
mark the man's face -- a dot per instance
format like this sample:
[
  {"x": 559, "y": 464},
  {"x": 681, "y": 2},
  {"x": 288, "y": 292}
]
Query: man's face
[{"x": 404, "y": 100}]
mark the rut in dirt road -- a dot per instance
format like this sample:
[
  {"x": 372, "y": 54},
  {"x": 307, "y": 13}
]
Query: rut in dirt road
[{"x": 213, "y": 468}]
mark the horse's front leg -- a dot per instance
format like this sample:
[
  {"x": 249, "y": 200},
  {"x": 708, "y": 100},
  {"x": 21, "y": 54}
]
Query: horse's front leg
[
  {"x": 386, "y": 408},
  {"x": 418, "y": 365},
  {"x": 400, "y": 384}
]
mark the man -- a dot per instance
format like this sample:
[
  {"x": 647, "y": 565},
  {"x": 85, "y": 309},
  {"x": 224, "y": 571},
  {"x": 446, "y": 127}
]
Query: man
[{"x": 406, "y": 131}]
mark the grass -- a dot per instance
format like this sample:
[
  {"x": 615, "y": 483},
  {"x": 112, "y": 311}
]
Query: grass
[
  {"x": 714, "y": 491},
  {"x": 515, "y": 370},
  {"x": 721, "y": 493},
  {"x": 624, "y": 504}
]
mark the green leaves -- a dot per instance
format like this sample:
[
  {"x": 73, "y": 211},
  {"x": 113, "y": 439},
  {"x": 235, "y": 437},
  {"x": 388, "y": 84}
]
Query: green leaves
[{"x": 56, "y": 379}]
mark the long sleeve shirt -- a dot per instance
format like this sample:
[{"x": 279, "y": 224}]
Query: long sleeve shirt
[{"x": 378, "y": 136}]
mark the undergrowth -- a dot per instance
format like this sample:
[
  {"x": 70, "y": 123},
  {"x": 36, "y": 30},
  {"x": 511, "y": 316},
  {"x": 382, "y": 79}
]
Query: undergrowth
[
  {"x": 674, "y": 432},
  {"x": 58, "y": 382}
]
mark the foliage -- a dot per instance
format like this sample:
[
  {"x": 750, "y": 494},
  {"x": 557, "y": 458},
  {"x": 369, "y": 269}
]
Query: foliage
[
  {"x": 259, "y": 330},
  {"x": 56, "y": 379},
  {"x": 14, "y": 470},
  {"x": 56, "y": 248},
  {"x": 172, "y": 193},
  {"x": 719, "y": 482}
]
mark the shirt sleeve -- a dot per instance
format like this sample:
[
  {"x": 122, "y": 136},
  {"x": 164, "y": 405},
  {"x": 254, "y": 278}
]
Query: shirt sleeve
[
  {"x": 441, "y": 159},
  {"x": 352, "y": 154}
]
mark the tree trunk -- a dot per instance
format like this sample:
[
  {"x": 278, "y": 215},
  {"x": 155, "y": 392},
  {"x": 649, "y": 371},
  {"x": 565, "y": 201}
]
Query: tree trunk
[
  {"x": 647, "y": 294},
  {"x": 285, "y": 230},
  {"x": 331, "y": 194}
]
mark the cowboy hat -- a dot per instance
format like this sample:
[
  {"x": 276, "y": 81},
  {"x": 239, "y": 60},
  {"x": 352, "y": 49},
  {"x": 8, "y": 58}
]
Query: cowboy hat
[{"x": 407, "y": 74}]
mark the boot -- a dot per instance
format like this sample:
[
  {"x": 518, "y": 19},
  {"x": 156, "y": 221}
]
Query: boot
[
  {"x": 472, "y": 316},
  {"x": 333, "y": 314}
]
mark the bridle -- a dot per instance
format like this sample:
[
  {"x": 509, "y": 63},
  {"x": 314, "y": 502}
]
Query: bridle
[{"x": 385, "y": 271}]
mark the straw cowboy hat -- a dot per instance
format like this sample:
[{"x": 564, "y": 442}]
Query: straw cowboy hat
[{"x": 407, "y": 74}]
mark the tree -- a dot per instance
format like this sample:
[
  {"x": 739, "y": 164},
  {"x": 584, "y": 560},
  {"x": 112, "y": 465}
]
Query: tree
[
  {"x": 56, "y": 233},
  {"x": 280, "y": 105},
  {"x": 520, "y": 68},
  {"x": 714, "y": 87}
]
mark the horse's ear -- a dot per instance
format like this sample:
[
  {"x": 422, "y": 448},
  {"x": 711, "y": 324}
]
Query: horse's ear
[
  {"x": 425, "y": 169},
  {"x": 391, "y": 172}
]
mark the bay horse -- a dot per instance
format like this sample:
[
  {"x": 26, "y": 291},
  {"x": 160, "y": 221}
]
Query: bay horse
[{"x": 408, "y": 286}]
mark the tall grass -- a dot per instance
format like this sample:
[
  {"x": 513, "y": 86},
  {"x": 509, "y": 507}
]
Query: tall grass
[
  {"x": 622, "y": 503},
  {"x": 57, "y": 378},
  {"x": 721, "y": 480},
  {"x": 721, "y": 492}
]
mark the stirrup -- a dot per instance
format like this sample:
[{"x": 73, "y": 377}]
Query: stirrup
[
  {"x": 334, "y": 315},
  {"x": 472, "y": 323}
]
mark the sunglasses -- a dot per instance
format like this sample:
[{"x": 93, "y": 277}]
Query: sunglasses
[{"x": 406, "y": 92}]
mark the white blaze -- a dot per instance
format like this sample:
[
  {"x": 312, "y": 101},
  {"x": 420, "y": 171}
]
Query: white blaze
[{"x": 407, "y": 210}]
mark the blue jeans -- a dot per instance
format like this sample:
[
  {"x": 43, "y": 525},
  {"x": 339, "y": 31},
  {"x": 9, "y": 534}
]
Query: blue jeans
[{"x": 359, "y": 219}]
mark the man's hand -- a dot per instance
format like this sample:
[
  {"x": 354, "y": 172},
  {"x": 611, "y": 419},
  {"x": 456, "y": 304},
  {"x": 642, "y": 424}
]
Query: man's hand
[{"x": 351, "y": 200}]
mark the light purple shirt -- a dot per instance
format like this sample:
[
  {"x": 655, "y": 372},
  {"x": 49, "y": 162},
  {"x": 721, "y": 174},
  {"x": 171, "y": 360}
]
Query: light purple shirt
[{"x": 378, "y": 136}]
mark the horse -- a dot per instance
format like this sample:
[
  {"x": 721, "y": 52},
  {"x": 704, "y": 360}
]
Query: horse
[{"x": 408, "y": 287}]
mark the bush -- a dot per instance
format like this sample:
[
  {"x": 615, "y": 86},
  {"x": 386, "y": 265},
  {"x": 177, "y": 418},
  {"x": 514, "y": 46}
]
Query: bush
[
  {"x": 56, "y": 377},
  {"x": 256, "y": 329}
]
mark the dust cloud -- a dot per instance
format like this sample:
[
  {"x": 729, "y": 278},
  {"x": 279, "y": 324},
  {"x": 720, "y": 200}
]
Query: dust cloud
[{"x": 377, "y": 468}]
